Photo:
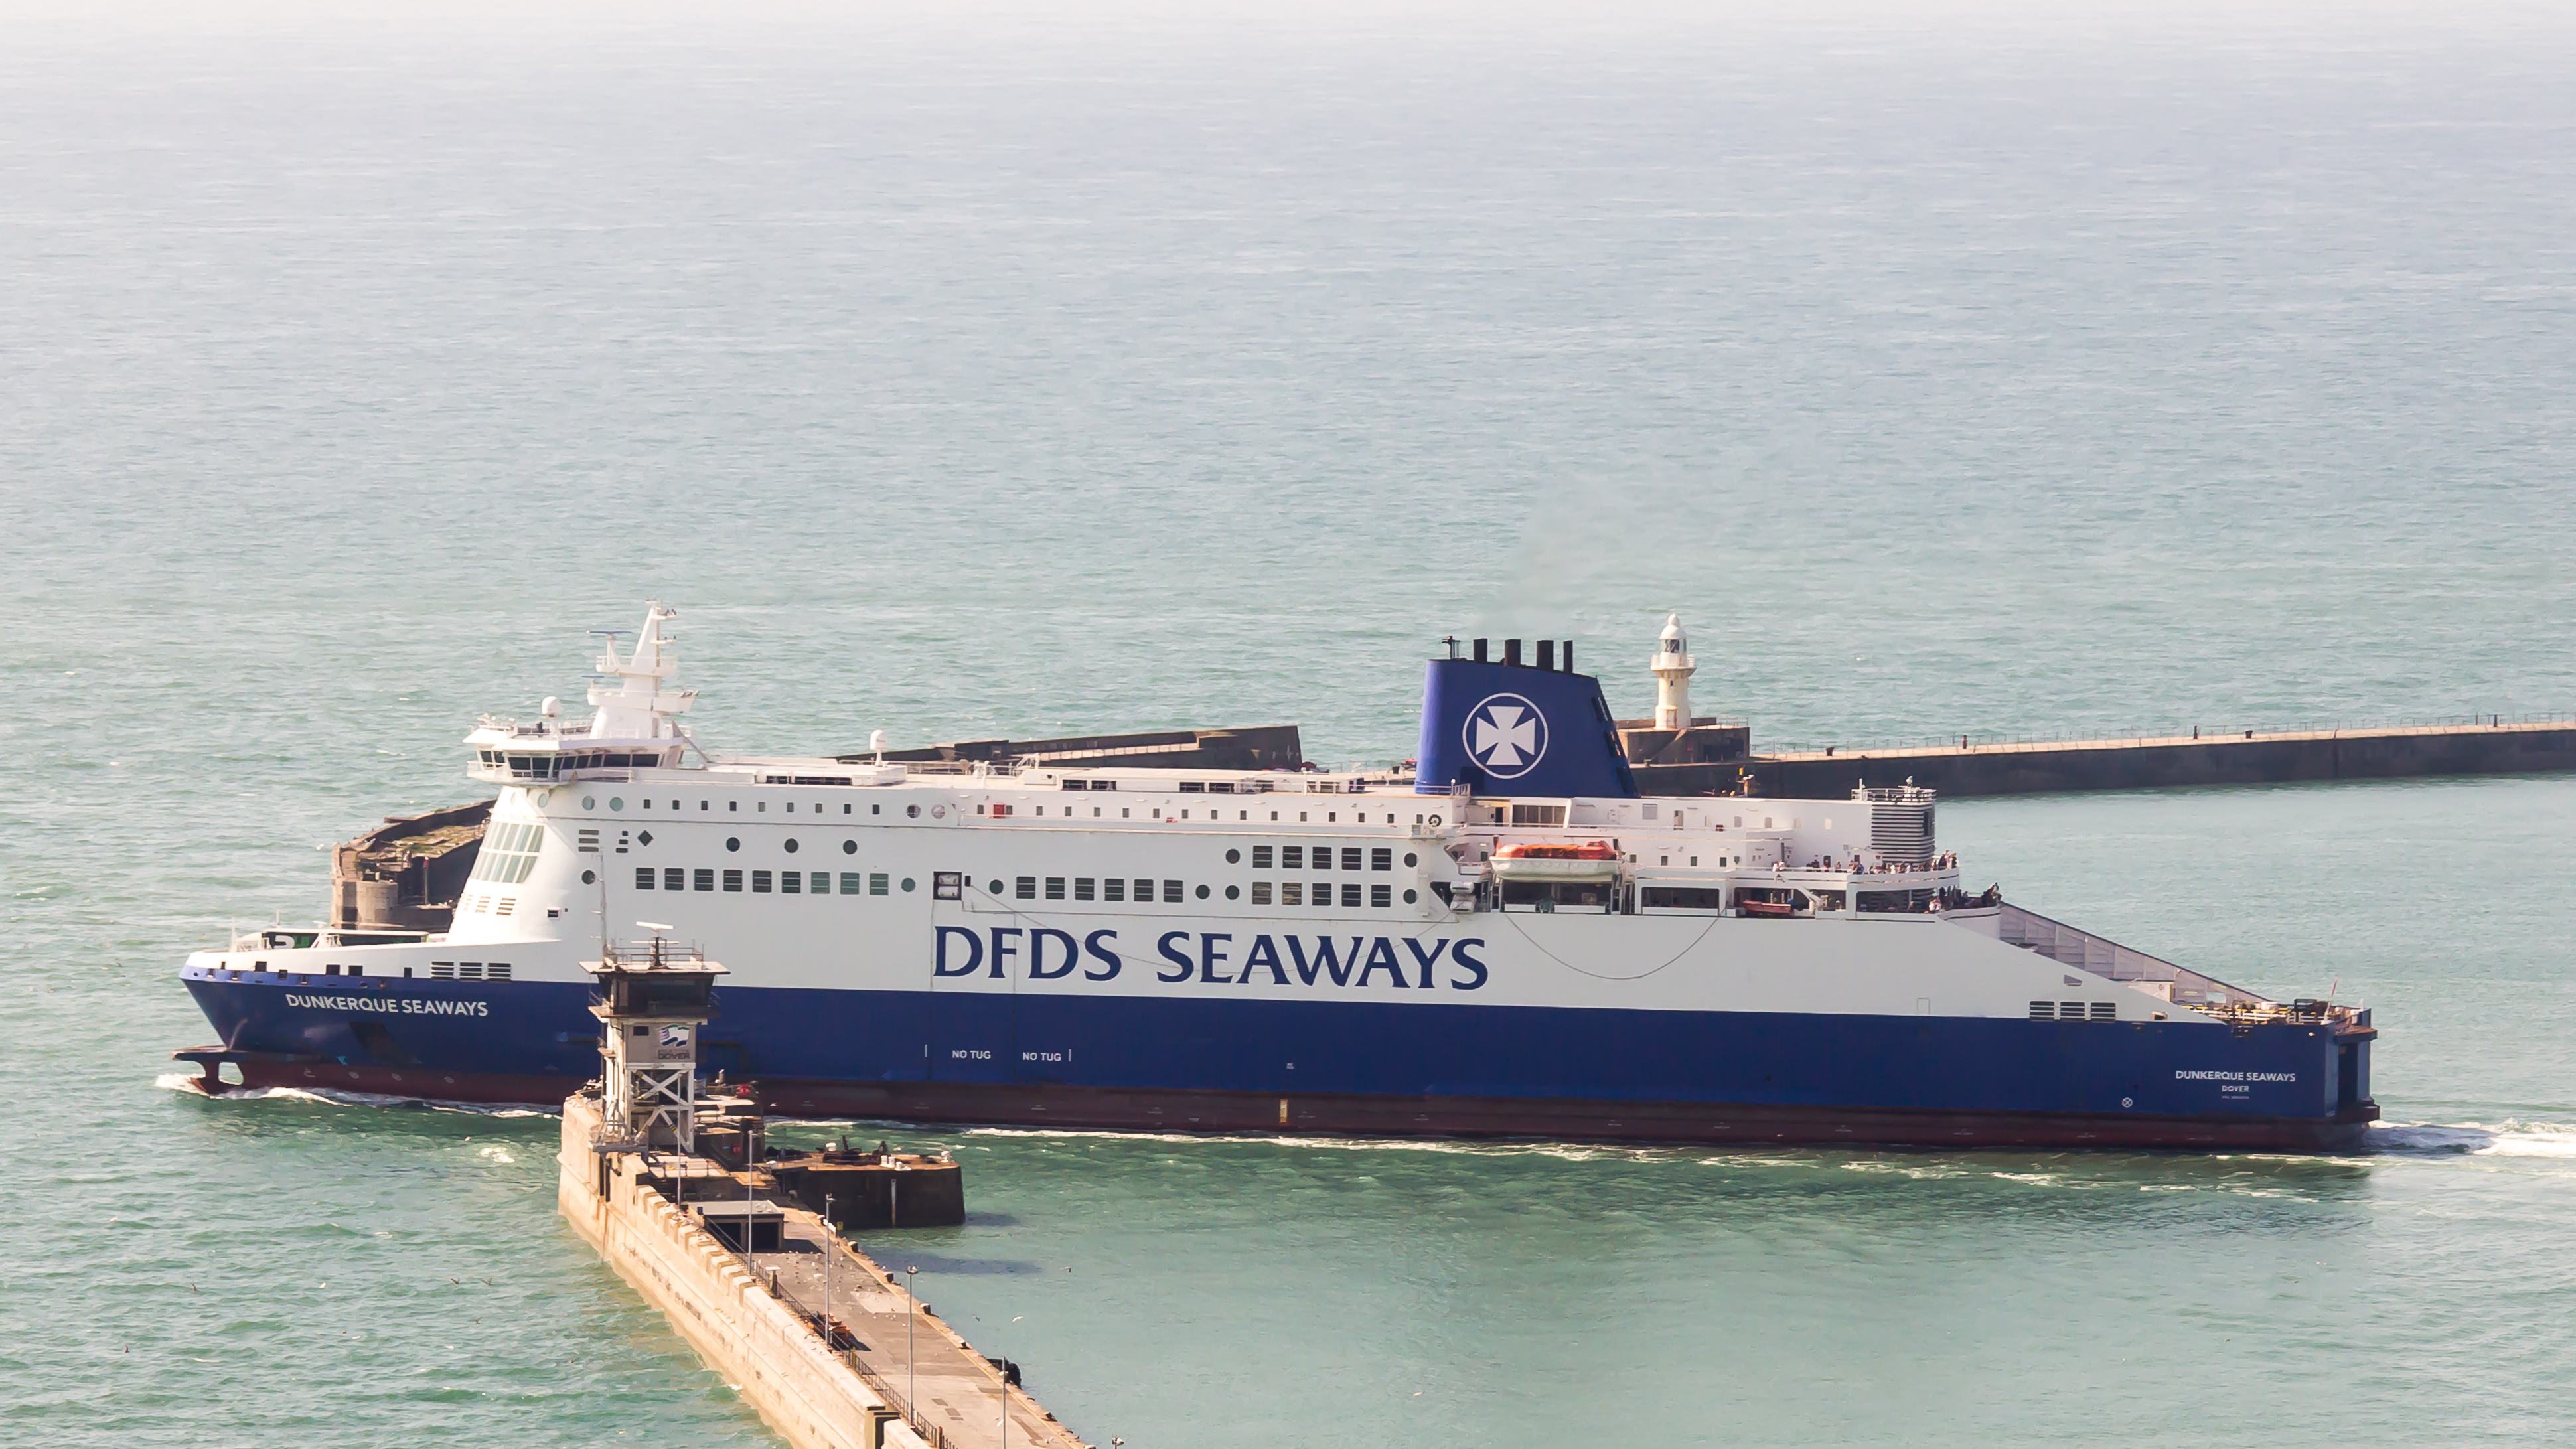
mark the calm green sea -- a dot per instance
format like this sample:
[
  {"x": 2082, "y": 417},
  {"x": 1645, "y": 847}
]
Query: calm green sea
[{"x": 1008, "y": 369}]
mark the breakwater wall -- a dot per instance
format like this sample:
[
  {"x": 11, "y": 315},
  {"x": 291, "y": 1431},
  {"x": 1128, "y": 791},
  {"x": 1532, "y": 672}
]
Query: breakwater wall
[
  {"x": 2248, "y": 757},
  {"x": 837, "y": 1358}
]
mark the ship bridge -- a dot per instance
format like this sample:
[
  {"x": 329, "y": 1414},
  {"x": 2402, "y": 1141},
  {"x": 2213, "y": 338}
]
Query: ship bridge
[{"x": 634, "y": 723}]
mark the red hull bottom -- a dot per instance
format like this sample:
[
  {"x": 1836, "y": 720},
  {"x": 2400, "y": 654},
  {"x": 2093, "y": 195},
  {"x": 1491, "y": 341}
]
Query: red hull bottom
[{"x": 1123, "y": 1110}]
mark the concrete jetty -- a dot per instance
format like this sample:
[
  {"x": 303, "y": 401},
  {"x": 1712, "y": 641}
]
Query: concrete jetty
[
  {"x": 815, "y": 1336},
  {"x": 866, "y": 1367},
  {"x": 2493, "y": 746}
]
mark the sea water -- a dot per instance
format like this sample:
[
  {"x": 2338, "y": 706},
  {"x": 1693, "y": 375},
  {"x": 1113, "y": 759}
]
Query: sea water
[{"x": 1973, "y": 370}]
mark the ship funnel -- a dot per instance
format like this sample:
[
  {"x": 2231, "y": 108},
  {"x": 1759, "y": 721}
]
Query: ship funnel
[{"x": 1511, "y": 729}]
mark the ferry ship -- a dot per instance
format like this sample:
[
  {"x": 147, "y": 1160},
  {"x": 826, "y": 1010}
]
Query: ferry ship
[{"x": 1507, "y": 939}]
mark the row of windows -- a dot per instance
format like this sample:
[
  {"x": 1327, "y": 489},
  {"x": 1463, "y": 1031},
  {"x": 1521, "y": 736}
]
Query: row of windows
[
  {"x": 618, "y": 802},
  {"x": 1027, "y": 888},
  {"x": 2074, "y": 1011},
  {"x": 586, "y": 760},
  {"x": 1289, "y": 893},
  {"x": 1085, "y": 888},
  {"x": 1380, "y": 896},
  {"x": 1293, "y": 857},
  {"x": 764, "y": 882}
]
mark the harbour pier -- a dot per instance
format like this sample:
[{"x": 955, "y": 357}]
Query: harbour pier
[
  {"x": 832, "y": 1349},
  {"x": 854, "y": 1362}
]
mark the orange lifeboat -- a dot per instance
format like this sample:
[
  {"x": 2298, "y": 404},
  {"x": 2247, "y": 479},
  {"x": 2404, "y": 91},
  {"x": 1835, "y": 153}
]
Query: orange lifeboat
[{"x": 1593, "y": 860}]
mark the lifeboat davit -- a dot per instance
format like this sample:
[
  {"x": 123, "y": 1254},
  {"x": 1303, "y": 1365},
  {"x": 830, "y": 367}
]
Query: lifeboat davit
[{"x": 1592, "y": 860}]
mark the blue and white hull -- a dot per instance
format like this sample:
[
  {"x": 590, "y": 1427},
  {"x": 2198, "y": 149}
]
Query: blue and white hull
[{"x": 1207, "y": 1050}]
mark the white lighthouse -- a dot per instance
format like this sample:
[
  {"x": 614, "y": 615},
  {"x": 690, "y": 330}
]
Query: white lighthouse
[{"x": 1673, "y": 668}]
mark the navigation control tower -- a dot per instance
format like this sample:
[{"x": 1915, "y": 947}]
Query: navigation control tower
[{"x": 652, "y": 1000}]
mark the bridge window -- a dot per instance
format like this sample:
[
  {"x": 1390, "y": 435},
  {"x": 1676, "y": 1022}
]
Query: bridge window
[
  {"x": 1350, "y": 857},
  {"x": 733, "y": 880},
  {"x": 790, "y": 882},
  {"x": 1171, "y": 892},
  {"x": 509, "y": 852},
  {"x": 1379, "y": 896},
  {"x": 1261, "y": 893},
  {"x": 1381, "y": 859},
  {"x": 675, "y": 879},
  {"x": 1113, "y": 889},
  {"x": 1293, "y": 857},
  {"x": 1292, "y": 893},
  {"x": 1261, "y": 857},
  {"x": 760, "y": 883},
  {"x": 705, "y": 880},
  {"x": 643, "y": 877},
  {"x": 1025, "y": 887},
  {"x": 1055, "y": 887},
  {"x": 1351, "y": 894}
]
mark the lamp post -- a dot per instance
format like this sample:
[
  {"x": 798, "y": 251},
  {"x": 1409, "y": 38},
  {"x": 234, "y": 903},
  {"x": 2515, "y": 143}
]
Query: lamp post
[
  {"x": 907, "y": 1339},
  {"x": 830, "y": 1334}
]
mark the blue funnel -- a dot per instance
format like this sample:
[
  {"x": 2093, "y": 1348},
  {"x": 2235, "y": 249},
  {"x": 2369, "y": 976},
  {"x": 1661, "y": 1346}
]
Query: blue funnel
[{"x": 1509, "y": 729}]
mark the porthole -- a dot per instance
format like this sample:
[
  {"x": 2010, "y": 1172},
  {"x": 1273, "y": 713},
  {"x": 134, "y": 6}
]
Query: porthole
[
  {"x": 1435, "y": 819},
  {"x": 590, "y": 877},
  {"x": 791, "y": 845},
  {"x": 938, "y": 812},
  {"x": 994, "y": 886},
  {"x": 1203, "y": 892},
  {"x": 849, "y": 847},
  {"x": 1233, "y": 856},
  {"x": 1411, "y": 859},
  {"x": 1411, "y": 896},
  {"x": 907, "y": 882},
  {"x": 589, "y": 802},
  {"x": 914, "y": 811},
  {"x": 1230, "y": 891},
  {"x": 733, "y": 842},
  {"x": 616, "y": 802}
]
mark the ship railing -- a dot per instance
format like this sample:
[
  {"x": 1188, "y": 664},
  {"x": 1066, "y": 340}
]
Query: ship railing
[
  {"x": 2101, "y": 956},
  {"x": 2306, "y": 1011}
]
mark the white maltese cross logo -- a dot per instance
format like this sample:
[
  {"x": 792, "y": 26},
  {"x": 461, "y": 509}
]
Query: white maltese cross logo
[{"x": 1507, "y": 735}]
